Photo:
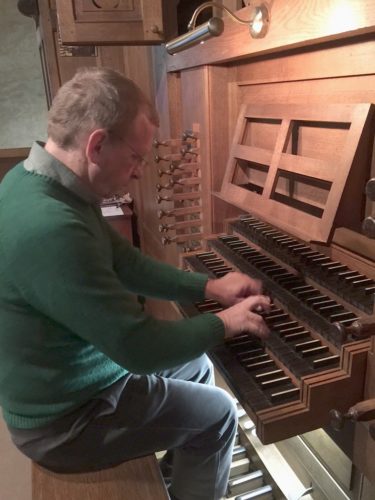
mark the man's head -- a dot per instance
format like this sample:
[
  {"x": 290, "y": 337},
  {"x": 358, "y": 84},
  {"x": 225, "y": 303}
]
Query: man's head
[{"x": 104, "y": 120}]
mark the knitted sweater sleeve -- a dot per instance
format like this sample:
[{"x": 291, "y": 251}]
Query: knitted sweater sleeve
[
  {"x": 63, "y": 271},
  {"x": 146, "y": 276}
]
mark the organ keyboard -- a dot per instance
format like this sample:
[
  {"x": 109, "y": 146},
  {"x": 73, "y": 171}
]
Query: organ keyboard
[{"x": 290, "y": 382}]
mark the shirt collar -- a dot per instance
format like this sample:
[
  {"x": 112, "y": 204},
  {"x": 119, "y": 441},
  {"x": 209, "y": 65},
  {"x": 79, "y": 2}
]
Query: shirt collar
[{"x": 41, "y": 162}]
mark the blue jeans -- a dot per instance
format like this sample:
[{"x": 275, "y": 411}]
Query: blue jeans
[{"x": 177, "y": 409}]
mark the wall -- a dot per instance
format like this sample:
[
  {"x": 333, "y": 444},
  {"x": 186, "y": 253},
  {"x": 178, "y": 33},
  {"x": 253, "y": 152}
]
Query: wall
[{"x": 22, "y": 100}]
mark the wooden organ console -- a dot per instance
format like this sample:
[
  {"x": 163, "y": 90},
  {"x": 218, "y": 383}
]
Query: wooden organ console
[
  {"x": 299, "y": 175},
  {"x": 295, "y": 193}
]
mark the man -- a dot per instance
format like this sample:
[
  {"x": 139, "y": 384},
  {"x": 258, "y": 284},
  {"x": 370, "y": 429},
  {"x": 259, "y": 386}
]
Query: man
[{"x": 87, "y": 379}]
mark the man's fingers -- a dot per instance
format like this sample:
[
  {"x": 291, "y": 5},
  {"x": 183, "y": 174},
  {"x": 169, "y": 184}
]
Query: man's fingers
[
  {"x": 257, "y": 325},
  {"x": 257, "y": 303}
]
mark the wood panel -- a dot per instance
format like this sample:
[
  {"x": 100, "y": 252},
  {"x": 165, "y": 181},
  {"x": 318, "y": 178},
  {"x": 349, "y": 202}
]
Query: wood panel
[
  {"x": 287, "y": 197},
  {"x": 320, "y": 393},
  {"x": 293, "y": 25},
  {"x": 60, "y": 64},
  {"x": 334, "y": 60},
  {"x": 122, "y": 22},
  {"x": 349, "y": 89},
  {"x": 123, "y": 223}
]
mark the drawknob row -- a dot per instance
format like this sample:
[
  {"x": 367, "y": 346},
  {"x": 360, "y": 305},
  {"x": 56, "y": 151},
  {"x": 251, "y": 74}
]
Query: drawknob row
[
  {"x": 187, "y": 135},
  {"x": 179, "y": 225},
  {"x": 187, "y": 181},
  {"x": 175, "y": 169},
  {"x": 183, "y": 182},
  {"x": 181, "y": 238},
  {"x": 184, "y": 152},
  {"x": 178, "y": 212},
  {"x": 193, "y": 195}
]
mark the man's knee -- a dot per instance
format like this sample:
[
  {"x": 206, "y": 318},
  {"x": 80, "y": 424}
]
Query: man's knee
[
  {"x": 229, "y": 406},
  {"x": 223, "y": 411},
  {"x": 205, "y": 370}
]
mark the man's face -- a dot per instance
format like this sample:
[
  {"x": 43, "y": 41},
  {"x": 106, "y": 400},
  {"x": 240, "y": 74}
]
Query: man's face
[{"x": 122, "y": 159}]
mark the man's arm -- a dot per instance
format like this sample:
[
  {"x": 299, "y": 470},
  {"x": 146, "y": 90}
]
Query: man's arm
[
  {"x": 146, "y": 276},
  {"x": 143, "y": 275},
  {"x": 60, "y": 271}
]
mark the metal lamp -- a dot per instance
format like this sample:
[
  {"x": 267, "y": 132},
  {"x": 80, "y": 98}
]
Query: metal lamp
[{"x": 258, "y": 27}]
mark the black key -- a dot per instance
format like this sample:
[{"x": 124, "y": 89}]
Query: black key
[
  {"x": 362, "y": 282},
  {"x": 330, "y": 361},
  {"x": 315, "y": 300},
  {"x": 299, "y": 249},
  {"x": 303, "y": 346},
  {"x": 347, "y": 274},
  {"x": 330, "y": 309},
  {"x": 267, "y": 384},
  {"x": 284, "y": 324},
  {"x": 260, "y": 365},
  {"x": 333, "y": 267},
  {"x": 308, "y": 293},
  {"x": 254, "y": 359},
  {"x": 328, "y": 302},
  {"x": 277, "y": 318},
  {"x": 289, "y": 281},
  {"x": 300, "y": 288},
  {"x": 292, "y": 337},
  {"x": 347, "y": 322},
  {"x": 285, "y": 395},
  {"x": 320, "y": 260},
  {"x": 292, "y": 329},
  {"x": 314, "y": 350},
  {"x": 242, "y": 355},
  {"x": 268, "y": 375},
  {"x": 342, "y": 316}
]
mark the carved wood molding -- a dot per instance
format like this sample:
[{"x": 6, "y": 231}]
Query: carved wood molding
[{"x": 293, "y": 25}]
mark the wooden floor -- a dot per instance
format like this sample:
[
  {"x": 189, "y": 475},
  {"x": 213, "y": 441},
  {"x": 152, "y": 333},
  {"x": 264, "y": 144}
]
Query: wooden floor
[{"x": 15, "y": 469}]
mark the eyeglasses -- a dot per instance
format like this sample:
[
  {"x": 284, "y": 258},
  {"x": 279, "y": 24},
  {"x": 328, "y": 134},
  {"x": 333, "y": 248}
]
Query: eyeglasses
[
  {"x": 138, "y": 159},
  {"x": 141, "y": 160}
]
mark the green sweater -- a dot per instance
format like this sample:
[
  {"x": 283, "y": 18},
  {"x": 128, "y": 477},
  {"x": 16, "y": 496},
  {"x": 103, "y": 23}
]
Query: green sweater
[{"x": 70, "y": 323}]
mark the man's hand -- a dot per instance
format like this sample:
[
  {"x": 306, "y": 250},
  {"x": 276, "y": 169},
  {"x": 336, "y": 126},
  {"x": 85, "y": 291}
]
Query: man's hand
[
  {"x": 232, "y": 288},
  {"x": 243, "y": 317}
]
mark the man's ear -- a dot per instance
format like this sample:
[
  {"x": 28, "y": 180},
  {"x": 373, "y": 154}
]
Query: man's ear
[{"x": 95, "y": 144}]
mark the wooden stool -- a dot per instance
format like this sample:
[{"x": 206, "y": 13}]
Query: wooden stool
[{"x": 138, "y": 479}]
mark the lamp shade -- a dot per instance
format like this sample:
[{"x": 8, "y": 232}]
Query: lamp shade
[{"x": 213, "y": 27}]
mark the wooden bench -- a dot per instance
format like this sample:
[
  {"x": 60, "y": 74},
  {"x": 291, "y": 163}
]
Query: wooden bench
[{"x": 138, "y": 479}]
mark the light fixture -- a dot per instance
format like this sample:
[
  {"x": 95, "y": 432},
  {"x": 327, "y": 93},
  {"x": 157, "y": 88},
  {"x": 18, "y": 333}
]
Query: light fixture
[{"x": 258, "y": 26}]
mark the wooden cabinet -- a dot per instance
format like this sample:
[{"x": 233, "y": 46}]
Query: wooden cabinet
[
  {"x": 60, "y": 62},
  {"x": 112, "y": 22},
  {"x": 123, "y": 223},
  {"x": 10, "y": 157}
]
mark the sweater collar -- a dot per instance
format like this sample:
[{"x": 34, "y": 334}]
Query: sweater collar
[{"x": 41, "y": 162}]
